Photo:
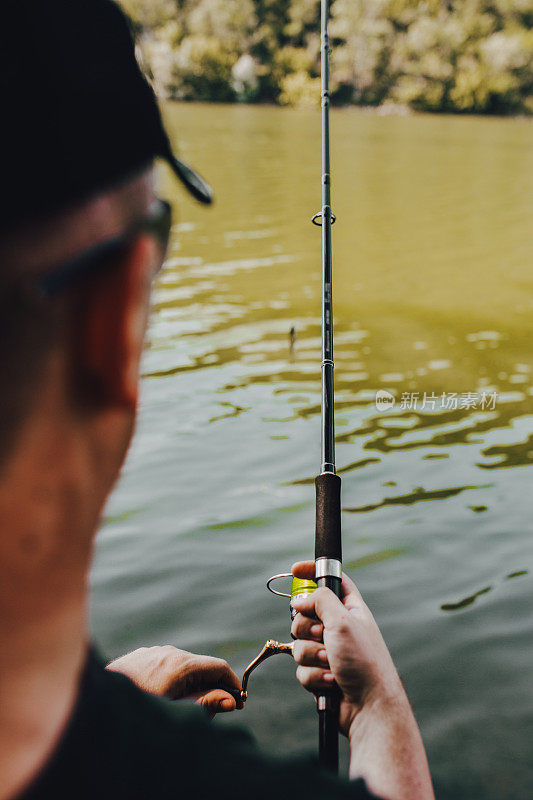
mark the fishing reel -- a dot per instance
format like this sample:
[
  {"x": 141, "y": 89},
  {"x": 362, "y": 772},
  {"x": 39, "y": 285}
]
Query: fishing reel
[{"x": 300, "y": 587}]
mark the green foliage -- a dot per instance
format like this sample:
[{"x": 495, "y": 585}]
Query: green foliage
[
  {"x": 298, "y": 89},
  {"x": 430, "y": 55},
  {"x": 202, "y": 69}
]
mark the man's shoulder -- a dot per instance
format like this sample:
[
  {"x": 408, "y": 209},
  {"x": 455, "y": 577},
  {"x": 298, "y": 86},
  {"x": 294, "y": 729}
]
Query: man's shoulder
[
  {"x": 127, "y": 704},
  {"x": 123, "y": 743},
  {"x": 153, "y": 729}
]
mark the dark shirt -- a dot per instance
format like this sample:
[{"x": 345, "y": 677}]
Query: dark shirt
[{"x": 123, "y": 744}]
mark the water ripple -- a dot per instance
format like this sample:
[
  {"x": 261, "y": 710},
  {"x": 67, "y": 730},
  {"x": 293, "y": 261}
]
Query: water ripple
[{"x": 418, "y": 495}]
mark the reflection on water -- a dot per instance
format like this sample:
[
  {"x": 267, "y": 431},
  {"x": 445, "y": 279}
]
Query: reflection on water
[
  {"x": 467, "y": 601},
  {"x": 416, "y": 496},
  {"x": 433, "y": 296}
]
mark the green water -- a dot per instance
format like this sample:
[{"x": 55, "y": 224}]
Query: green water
[{"x": 433, "y": 294}]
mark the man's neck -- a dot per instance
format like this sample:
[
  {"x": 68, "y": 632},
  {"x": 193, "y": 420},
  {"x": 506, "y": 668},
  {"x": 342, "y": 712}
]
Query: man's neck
[
  {"x": 45, "y": 549},
  {"x": 40, "y": 668}
]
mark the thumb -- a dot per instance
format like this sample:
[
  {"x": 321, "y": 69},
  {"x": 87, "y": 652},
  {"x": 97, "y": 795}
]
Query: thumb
[
  {"x": 321, "y": 604},
  {"x": 217, "y": 701}
]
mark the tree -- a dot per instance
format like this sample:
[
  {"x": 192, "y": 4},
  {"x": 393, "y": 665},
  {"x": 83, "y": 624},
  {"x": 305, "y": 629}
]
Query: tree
[{"x": 432, "y": 55}]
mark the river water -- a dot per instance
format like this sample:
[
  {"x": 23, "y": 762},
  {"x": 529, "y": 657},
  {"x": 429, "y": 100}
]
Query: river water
[{"x": 433, "y": 294}]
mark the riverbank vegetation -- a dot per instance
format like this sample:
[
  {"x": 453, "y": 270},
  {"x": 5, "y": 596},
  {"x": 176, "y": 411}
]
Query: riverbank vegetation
[{"x": 436, "y": 55}]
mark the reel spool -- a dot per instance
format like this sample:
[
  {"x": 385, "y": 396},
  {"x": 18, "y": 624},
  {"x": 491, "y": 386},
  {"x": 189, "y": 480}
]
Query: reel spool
[{"x": 300, "y": 588}]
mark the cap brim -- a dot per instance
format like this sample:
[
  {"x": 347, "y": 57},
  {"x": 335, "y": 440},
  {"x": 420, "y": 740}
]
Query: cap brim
[{"x": 191, "y": 180}]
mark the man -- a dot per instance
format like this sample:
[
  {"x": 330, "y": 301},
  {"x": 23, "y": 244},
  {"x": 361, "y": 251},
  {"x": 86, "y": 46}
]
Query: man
[{"x": 82, "y": 236}]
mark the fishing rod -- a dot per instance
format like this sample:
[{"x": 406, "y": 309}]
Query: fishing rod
[{"x": 328, "y": 547}]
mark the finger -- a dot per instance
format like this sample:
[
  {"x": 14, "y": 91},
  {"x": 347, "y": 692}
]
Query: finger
[
  {"x": 305, "y": 628},
  {"x": 313, "y": 678},
  {"x": 304, "y": 569},
  {"x": 208, "y": 672},
  {"x": 310, "y": 654},
  {"x": 350, "y": 594},
  {"x": 217, "y": 701},
  {"x": 322, "y": 604}
]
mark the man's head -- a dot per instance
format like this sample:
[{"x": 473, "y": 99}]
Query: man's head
[{"x": 79, "y": 247}]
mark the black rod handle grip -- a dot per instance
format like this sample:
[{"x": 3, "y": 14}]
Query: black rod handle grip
[
  {"x": 328, "y": 738},
  {"x": 328, "y": 717},
  {"x": 328, "y": 516}
]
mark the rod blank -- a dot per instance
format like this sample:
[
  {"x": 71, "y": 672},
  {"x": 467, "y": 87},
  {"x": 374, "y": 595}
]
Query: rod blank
[{"x": 328, "y": 424}]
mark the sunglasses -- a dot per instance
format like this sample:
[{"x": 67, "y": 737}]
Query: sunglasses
[{"x": 156, "y": 223}]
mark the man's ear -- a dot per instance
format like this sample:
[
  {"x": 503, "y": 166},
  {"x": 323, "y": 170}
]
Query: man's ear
[{"x": 112, "y": 324}]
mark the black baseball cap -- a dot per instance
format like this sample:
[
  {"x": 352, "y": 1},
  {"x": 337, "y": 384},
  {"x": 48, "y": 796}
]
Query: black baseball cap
[{"x": 78, "y": 115}]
